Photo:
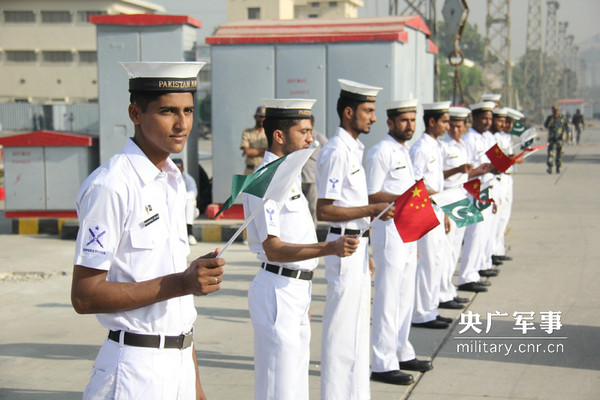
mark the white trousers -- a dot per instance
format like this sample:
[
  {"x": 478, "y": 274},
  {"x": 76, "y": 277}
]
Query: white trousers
[
  {"x": 430, "y": 267},
  {"x": 393, "y": 302},
  {"x": 127, "y": 373},
  {"x": 503, "y": 215},
  {"x": 346, "y": 321},
  {"x": 474, "y": 254},
  {"x": 191, "y": 211},
  {"x": 279, "y": 311},
  {"x": 447, "y": 288},
  {"x": 455, "y": 242}
]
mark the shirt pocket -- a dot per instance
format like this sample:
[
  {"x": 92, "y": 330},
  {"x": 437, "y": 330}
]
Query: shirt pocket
[
  {"x": 294, "y": 203},
  {"x": 399, "y": 172},
  {"x": 148, "y": 244},
  {"x": 356, "y": 177}
]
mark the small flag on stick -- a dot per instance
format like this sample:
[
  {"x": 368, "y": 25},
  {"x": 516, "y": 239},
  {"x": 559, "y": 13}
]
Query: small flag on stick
[
  {"x": 414, "y": 215},
  {"x": 457, "y": 206}
]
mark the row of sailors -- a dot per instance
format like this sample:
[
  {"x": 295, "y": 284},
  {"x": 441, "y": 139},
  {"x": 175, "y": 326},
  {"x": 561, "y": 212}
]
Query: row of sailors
[{"x": 411, "y": 279}]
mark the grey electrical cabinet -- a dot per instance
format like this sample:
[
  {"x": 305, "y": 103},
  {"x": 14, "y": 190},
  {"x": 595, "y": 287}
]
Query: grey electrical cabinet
[
  {"x": 304, "y": 59},
  {"x": 43, "y": 171}
]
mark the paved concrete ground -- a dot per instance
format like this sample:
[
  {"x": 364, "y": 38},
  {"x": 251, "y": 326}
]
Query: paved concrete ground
[{"x": 47, "y": 351}]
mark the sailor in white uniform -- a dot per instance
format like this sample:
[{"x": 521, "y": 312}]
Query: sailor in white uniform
[
  {"x": 427, "y": 157},
  {"x": 344, "y": 203},
  {"x": 389, "y": 174},
  {"x": 283, "y": 237}
]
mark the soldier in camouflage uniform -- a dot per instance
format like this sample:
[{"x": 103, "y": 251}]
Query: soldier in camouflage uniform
[{"x": 557, "y": 128}]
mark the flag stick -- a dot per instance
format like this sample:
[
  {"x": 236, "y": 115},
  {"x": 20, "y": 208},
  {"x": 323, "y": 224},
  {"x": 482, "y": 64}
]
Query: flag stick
[
  {"x": 530, "y": 153},
  {"x": 241, "y": 228},
  {"x": 374, "y": 219}
]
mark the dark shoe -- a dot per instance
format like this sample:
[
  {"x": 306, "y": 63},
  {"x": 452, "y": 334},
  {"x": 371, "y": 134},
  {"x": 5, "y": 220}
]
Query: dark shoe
[
  {"x": 495, "y": 261},
  {"x": 452, "y": 305},
  {"x": 444, "y": 319},
  {"x": 549, "y": 170},
  {"x": 393, "y": 377},
  {"x": 461, "y": 300},
  {"x": 504, "y": 258},
  {"x": 416, "y": 365},
  {"x": 472, "y": 287},
  {"x": 489, "y": 272},
  {"x": 433, "y": 324},
  {"x": 558, "y": 170},
  {"x": 485, "y": 283}
]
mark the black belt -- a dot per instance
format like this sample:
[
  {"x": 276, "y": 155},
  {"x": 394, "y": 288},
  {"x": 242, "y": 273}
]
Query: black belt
[
  {"x": 138, "y": 340},
  {"x": 339, "y": 231},
  {"x": 290, "y": 273}
]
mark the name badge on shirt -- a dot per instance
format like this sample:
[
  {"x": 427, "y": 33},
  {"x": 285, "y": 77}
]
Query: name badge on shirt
[
  {"x": 400, "y": 167},
  {"x": 295, "y": 197},
  {"x": 151, "y": 220}
]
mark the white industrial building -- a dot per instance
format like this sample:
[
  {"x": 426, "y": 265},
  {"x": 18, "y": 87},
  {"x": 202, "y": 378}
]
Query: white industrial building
[{"x": 48, "y": 48}]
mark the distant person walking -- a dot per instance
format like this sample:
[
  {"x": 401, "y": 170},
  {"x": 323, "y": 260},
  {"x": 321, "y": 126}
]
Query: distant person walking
[
  {"x": 579, "y": 124},
  {"x": 557, "y": 128}
]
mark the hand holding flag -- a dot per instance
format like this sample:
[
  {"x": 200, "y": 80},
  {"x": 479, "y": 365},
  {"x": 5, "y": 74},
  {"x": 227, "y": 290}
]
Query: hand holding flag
[{"x": 499, "y": 160}]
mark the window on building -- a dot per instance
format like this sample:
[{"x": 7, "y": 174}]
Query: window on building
[
  {"x": 333, "y": 4},
  {"x": 20, "y": 56},
  {"x": 314, "y": 4},
  {"x": 57, "y": 56},
  {"x": 313, "y": 16},
  {"x": 88, "y": 57},
  {"x": 56, "y": 17},
  {"x": 19, "y": 17},
  {"x": 253, "y": 12},
  {"x": 84, "y": 16}
]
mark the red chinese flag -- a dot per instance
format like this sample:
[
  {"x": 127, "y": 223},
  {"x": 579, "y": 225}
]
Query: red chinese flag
[
  {"x": 474, "y": 188},
  {"x": 501, "y": 161},
  {"x": 414, "y": 215}
]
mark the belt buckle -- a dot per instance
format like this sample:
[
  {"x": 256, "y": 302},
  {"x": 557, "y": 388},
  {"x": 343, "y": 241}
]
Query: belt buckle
[{"x": 187, "y": 339}]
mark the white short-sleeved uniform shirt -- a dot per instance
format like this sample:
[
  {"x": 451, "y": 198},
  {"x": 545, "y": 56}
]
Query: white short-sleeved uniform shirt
[
  {"x": 389, "y": 168},
  {"x": 477, "y": 144},
  {"x": 341, "y": 176},
  {"x": 290, "y": 221},
  {"x": 427, "y": 159},
  {"x": 455, "y": 155},
  {"x": 132, "y": 225}
]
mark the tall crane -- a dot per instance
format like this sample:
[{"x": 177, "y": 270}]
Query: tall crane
[
  {"x": 496, "y": 53},
  {"x": 551, "y": 45},
  {"x": 534, "y": 63}
]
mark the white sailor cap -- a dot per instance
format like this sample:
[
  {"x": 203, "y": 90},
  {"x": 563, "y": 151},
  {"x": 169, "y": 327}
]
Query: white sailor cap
[
  {"x": 483, "y": 106},
  {"x": 491, "y": 97},
  {"x": 440, "y": 107},
  {"x": 162, "y": 76},
  {"x": 500, "y": 112},
  {"x": 288, "y": 108},
  {"x": 459, "y": 113},
  {"x": 401, "y": 106},
  {"x": 514, "y": 114},
  {"x": 358, "y": 91}
]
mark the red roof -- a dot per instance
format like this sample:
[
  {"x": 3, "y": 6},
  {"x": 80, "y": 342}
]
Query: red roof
[
  {"x": 144, "y": 20},
  {"x": 318, "y": 30},
  {"x": 46, "y": 139},
  {"x": 571, "y": 101}
]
